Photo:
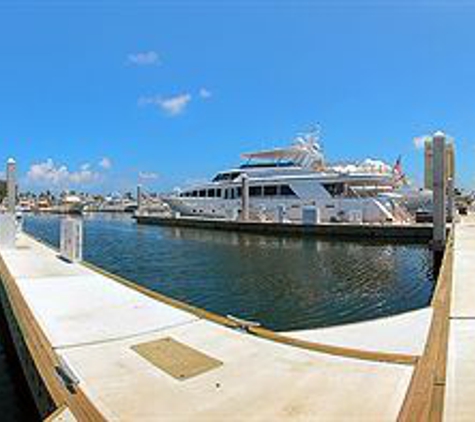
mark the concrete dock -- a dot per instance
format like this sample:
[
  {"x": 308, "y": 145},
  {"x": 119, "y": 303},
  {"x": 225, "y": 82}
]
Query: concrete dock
[
  {"x": 460, "y": 371},
  {"x": 106, "y": 349}
]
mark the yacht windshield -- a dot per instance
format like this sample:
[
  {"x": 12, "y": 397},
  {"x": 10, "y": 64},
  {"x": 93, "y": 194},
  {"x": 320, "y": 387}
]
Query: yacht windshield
[{"x": 226, "y": 176}]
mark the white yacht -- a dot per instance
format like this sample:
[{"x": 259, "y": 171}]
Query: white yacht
[
  {"x": 69, "y": 204},
  {"x": 286, "y": 180}
]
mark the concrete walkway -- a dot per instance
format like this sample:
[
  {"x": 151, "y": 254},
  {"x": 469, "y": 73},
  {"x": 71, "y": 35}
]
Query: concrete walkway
[
  {"x": 460, "y": 384},
  {"x": 405, "y": 333},
  {"x": 138, "y": 358}
]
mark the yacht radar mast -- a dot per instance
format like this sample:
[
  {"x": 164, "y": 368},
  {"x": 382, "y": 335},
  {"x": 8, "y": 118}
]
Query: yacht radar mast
[{"x": 306, "y": 152}]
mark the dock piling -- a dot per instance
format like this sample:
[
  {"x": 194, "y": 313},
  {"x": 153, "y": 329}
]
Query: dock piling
[
  {"x": 7, "y": 221},
  {"x": 245, "y": 198},
  {"x": 439, "y": 191},
  {"x": 11, "y": 185}
]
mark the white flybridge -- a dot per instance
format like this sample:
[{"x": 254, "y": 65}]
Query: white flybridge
[{"x": 288, "y": 180}]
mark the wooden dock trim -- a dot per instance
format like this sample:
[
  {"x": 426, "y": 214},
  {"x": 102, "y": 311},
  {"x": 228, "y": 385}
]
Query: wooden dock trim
[
  {"x": 43, "y": 355},
  {"x": 405, "y": 386},
  {"x": 425, "y": 397}
]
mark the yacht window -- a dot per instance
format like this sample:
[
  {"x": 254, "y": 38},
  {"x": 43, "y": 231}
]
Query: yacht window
[
  {"x": 286, "y": 190},
  {"x": 202, "y": 193},
  {"x": 218, "y": 193},
  {"x": 239, "y": 192},
  {"x": 219, "y": 177},
  {"x": 226, "y": 176},
  {"x": 211, "y": 193},
  {"x": 270, "y": 190},
  {"x": 335, "y": 189},
  {"x": 255, "y": 190},
  {"x": 194, "y": 193},
  {"x": 233, "y": 193}
]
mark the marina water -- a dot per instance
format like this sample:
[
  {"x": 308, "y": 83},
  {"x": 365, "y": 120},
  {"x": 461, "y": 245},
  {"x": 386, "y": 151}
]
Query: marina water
[{"x": 285, "y": 283}]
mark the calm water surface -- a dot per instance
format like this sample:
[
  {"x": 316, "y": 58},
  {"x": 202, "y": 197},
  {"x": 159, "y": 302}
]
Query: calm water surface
[{"x": 285, "y": 283}]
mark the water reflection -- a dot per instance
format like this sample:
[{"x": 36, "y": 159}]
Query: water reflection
[{"x": 285, "y": 283}]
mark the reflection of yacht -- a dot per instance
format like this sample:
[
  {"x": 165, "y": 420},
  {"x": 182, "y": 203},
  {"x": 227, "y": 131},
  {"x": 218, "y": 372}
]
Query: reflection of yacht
[{"x": 295, "y": 177}]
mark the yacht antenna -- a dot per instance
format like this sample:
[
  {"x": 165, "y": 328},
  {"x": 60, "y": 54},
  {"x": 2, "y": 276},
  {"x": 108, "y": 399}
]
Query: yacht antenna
[{"x": 312, "y": 136}]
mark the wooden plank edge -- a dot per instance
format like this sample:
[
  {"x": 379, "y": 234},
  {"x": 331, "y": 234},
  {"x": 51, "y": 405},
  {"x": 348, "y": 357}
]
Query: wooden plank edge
[
  {"x": 424, "y": 398},
  {"x": 43, "y": 354}
]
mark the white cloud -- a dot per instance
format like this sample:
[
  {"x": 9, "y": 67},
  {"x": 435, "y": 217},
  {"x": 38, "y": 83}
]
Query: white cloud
[
  {"x": 204, "y": 93},
  {"x": 420, "y": 141},
  {"x": 173, "y": 105},
  {"x": 148, "y": 175},
  {"x": 48, "y": 173},
  {"x": 144, "y": 59},
  {"x": 105, "y": 163}
]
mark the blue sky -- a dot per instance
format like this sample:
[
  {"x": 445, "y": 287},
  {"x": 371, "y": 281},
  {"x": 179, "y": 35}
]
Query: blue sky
[{"x": 99, "y": 95}]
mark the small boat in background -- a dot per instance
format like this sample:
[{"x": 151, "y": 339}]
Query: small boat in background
[{"x": 69, "y": 204}]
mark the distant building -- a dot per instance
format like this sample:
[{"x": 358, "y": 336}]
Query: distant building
[{"x": 449, "y": 162}]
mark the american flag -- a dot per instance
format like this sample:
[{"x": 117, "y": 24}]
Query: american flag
[{"x": 398, "y": 173}]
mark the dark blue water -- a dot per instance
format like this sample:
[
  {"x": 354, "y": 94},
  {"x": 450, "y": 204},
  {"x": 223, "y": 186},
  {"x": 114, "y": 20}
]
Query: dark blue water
[{"x": 284, "y": 283}]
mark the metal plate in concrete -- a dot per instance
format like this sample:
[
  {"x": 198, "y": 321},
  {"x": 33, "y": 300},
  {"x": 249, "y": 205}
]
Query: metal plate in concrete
[
  {"x": 177, "y": 359},
  {"x": 260, "y": 380}
]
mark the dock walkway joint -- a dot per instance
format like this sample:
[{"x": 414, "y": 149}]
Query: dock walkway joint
[{"x": 121, "y": 344}]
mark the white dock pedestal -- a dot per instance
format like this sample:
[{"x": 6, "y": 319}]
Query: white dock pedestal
[
  {"x": 8, "y": 231},
  {"x": 71, "y": 239}
]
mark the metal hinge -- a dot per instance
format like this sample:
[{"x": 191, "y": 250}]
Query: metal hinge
[{"x": 66, "y": 375}]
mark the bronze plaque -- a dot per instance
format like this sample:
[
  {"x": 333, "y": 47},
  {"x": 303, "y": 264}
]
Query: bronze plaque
[{"x": 176, "y": 359}]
